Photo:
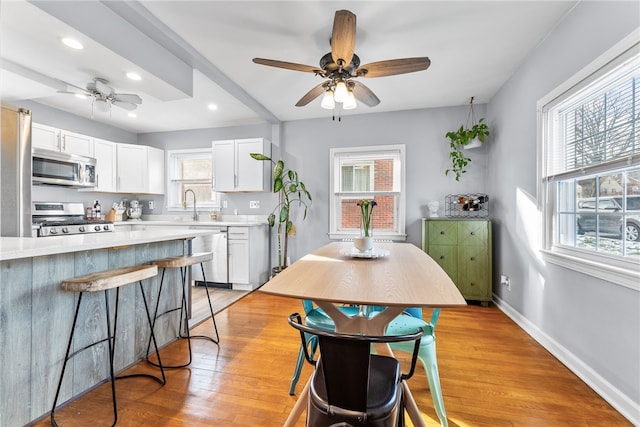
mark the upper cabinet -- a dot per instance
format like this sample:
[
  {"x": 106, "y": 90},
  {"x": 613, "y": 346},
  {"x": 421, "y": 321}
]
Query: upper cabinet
[
  {"x": 235, "y": 170},
  {"x": 128, "y": 168},
  {"x": 106, "y": 165},
  {"x": 51, "y": 138},
  {"x": 140, "y": 169}
]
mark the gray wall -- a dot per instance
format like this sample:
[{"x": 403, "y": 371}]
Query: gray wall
[{"x": 588, "y": 320}]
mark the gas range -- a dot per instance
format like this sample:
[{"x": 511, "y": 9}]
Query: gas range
[{"x": 65, "y": 218}]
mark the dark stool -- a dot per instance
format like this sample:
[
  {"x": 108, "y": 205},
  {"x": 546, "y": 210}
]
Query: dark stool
[
  {"x": 182, "y": 262},
  {"x": 104, "y": 281}
]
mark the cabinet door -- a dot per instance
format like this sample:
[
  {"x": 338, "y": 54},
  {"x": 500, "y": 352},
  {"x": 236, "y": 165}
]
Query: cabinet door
[
  {"x": 474, "y": 277},
  {"x": 46, "y": 137},
  {"x": 224, "y": 165},
  {"x": 132, "y": 168},
  {"x": 105, "y": 154},
  {"x": 249, "y": 172},
  {"x": 238, "y": 261},
  {"x": 447, "y": 257},
  {"x": 443, "y": 233},
  {"x": 472, "y": 232},
  {"x": 75, "y": 143},
  {"x": 155, "y": 170}
]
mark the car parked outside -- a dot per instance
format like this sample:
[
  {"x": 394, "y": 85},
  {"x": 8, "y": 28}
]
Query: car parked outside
[{"x": 605, "y": 215}]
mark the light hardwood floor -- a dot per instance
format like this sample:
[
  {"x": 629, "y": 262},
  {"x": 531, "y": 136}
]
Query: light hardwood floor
[{"x": 492, "y": 374}]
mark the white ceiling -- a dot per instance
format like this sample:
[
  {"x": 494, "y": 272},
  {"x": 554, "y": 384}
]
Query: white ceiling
[{"x": 192, "y": 53}]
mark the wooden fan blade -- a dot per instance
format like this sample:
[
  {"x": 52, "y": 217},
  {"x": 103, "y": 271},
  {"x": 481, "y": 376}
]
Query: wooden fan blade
[
  {"x": 364, "y": 94},
  {"x": 288, "y": 65},
  {"x": 126, "y": 105},
  {"x": 393, "y": 67},
  {"x": 343, "y": 37},
  {"x": 312, "y": 94},
  {"x": 130, "y": 98}
]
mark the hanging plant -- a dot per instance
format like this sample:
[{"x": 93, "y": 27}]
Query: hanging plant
[{"x": 461, "y": 138}]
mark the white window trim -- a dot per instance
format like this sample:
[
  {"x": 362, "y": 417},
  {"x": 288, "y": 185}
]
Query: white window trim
[
  {"x": 615, "y": 270},
  {"x": 401, "y": 214},
  {"x": 168, "y": 176}
]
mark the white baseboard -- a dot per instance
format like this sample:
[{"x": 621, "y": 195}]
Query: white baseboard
[{"x": 620, "y": 401}]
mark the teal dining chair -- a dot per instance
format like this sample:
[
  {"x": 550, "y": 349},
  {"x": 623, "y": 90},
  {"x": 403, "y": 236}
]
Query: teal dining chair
[{"x": 407, "y": 322}]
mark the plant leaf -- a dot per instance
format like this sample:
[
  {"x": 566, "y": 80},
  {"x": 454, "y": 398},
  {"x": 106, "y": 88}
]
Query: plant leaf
[
  {"x": 259, "y": 156},
  {"x": 277, "y": 169},
  {"x": 271, "y": 219},
  {"x": 277, "y": 184},
  {"x": 284, "y": 213}
]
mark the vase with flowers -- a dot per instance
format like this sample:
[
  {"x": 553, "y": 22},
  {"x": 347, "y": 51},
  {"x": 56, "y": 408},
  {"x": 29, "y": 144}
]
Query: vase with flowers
[{"x": 365, "y": 241}]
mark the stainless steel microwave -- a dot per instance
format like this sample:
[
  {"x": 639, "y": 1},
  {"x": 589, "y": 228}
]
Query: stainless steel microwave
[{"x": 69, "y": 170}]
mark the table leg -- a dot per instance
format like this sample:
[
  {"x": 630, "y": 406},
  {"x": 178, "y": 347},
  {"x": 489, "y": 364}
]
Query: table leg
[
  {"x": 300, "y": 406},
  {"x": 412, "y": 407}
]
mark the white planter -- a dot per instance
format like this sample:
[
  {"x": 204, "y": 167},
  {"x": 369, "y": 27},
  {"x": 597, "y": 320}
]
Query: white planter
[
  {"x": 474, "y": 143},
  {"x": 363, "y": 244}
]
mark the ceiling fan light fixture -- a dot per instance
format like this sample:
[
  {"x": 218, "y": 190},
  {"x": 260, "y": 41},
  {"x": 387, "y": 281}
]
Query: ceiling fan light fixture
[
  {"x": 327, "y": 100},
  {"x": 101, "y": 105},
  {"x": 341, "y": 92},
  {"x": 349, "y": 102}
]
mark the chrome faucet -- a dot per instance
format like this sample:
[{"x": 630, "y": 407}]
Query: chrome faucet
[{"x": 184, "y": 203}]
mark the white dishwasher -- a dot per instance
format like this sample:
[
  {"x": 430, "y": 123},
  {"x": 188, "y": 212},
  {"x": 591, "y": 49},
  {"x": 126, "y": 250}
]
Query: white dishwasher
[{"x": 216, "y": 270}]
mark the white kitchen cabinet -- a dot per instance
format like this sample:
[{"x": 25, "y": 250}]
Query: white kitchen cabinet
[
  {"x": 50, "y": 138},
  {"x": 235, "y": 170},
  {"x": 248, "y": 252},
  {"x": 140, "y": 169},
  {"x": 106, "y": 165}
]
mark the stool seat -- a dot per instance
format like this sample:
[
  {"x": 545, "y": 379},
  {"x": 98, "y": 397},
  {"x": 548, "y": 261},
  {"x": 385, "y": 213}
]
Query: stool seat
[
  {"x": 183, "y": 261},
  {"x": 109, "y": 279}
]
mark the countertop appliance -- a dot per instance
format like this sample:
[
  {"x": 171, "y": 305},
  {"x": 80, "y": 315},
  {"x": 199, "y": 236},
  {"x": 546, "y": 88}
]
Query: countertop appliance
[
  {"x": 15, "y": 172},
  {"x": 216, "y": 270},
  {"x": 65, "y": 218},
  {"x": 69, "y": 170}
]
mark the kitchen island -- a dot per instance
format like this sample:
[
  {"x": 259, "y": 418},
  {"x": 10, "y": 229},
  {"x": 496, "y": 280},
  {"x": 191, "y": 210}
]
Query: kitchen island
[{"x": 36, "y": 315}]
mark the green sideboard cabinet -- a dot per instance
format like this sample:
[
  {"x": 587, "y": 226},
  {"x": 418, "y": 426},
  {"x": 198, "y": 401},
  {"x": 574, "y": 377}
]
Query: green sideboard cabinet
[{"x": 462, "y": 247}]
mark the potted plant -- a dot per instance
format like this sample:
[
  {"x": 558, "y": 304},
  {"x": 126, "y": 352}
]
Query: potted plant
[
  {"x": 290, "y": 190},
  {"x": 465, "y": 137},
  {"x": 365, "y": 241}
]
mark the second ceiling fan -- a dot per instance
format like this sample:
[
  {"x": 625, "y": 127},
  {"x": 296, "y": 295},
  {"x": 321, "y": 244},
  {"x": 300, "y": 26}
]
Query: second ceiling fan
[{"x": 342, "y": 66}]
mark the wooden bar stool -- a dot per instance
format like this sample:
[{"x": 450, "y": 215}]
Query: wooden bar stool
[
  {"x": 104, "y": 281},
  {"x": 183, "y": 262}
]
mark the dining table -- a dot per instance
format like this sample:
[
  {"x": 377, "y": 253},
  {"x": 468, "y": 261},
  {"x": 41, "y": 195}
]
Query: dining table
[{"x": 392, "y": 275}]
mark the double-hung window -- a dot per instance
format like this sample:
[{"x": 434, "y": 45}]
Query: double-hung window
[
  {"x": 190, "y": 169},
  {"x": 368, "y": 173},
  {"x": 590, "y": 168}
]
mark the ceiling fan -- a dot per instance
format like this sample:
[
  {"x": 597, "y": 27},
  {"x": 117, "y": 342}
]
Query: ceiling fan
[
  {"x": 342, "y": 66},
  {"x": 103, "y": 96}
]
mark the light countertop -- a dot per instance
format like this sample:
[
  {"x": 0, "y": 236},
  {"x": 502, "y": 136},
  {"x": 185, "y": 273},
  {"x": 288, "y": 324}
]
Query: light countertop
[
  {"x": 27, "y": 247},
  {"x": 191, "y": 223}
]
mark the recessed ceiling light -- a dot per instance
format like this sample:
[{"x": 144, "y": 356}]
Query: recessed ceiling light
[
  {"x": 134, "y": 76},
  {"x": 132, "y": 115},
  {"x": 72, "y": 43},
  {"x": 212, "y": 107}
]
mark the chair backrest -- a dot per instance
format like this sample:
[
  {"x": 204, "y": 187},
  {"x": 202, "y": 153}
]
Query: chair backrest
[{"x": 345, "y": 360}]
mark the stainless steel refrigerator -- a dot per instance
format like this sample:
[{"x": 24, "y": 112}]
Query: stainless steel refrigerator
[{"x": 15, "y": 172}]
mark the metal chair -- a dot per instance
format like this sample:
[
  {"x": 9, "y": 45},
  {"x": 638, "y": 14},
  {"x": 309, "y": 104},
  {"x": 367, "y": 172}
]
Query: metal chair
[
  {"x": 350, "y": 385},
  {"x": 409, "y": 321}
]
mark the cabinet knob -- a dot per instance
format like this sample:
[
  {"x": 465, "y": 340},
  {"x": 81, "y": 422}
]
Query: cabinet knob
[
  {"x": 441, "y": 256},
  {"x": 442, "y": 232},
  {"x": 472, "y": 258},
  {"x": 473, "y": 233}
]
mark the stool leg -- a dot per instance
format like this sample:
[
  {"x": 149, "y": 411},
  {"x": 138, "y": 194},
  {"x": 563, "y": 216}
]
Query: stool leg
[
  {"x": 66, "y": 359},
  {"x": 112, "y": 347},
  {"x": 152, "y": 337},
  {"x": 213, "y": 319},
  {"x": 155, "y": 316}
]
